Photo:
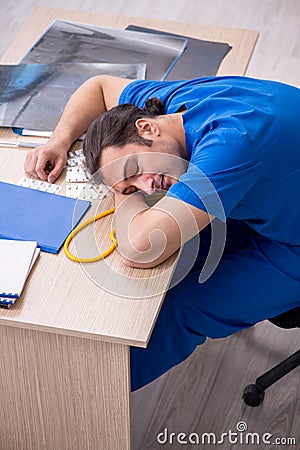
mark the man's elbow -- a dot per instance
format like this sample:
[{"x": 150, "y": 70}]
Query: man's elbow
[
  {"x": 140, "y": 255},
  {"x": 138, "y": 264}
]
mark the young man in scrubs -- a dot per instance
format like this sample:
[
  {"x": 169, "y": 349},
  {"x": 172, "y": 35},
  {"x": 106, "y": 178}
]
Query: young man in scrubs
[{"x": 226, "y": 153}]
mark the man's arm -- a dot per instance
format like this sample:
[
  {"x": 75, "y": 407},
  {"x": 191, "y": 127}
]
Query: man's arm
[
  {"x": 148, "y": 236},
  {"x": 96, "y": 95}
]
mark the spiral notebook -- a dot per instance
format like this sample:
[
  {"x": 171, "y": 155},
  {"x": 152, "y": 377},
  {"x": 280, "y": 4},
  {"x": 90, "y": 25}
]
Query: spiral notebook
[{"x": 19, "y": 258}]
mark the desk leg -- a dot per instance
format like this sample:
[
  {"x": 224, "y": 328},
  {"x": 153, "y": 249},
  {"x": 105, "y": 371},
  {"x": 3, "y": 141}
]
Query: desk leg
[{"x": 61, "y": 392}]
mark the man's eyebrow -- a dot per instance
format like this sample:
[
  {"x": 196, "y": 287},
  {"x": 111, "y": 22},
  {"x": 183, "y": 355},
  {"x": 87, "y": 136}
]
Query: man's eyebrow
[{"x": 125, "y": 169}]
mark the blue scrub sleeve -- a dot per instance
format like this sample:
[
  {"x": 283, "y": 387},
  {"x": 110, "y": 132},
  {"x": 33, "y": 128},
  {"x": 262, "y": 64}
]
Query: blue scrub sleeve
[
  {"x": 169, "y": 92},
  {"x": 222, "y": 170}
]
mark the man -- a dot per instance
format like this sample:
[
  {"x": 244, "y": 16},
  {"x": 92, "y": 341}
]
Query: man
[{"x": 226, "y": 151}]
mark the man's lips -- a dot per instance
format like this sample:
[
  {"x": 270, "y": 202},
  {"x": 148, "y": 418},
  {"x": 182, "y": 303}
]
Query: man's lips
[{"x": 164, "y": 186}]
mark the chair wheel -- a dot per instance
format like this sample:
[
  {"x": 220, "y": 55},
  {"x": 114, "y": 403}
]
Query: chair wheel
[{"x": 253, "y": 396}]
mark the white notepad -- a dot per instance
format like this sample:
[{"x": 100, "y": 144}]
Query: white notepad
[{"x": 17, "y": 259}]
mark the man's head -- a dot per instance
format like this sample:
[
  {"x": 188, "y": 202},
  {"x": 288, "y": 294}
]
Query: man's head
[{"x": 135, "y": 149}]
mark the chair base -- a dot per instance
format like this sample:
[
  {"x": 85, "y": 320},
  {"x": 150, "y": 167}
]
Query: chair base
[{"x": 254, "y": 393}]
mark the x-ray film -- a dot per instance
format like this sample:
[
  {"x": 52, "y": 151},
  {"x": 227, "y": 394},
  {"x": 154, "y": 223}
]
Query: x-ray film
[
  {"x": 200, "y": 59},
  {"x": 34, "y": 95},
  {"x": 66, "y": 41}
]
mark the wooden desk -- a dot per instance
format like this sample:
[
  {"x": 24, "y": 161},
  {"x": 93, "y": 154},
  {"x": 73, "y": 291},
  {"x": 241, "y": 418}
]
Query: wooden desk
[{"x": 64, "y": 371}]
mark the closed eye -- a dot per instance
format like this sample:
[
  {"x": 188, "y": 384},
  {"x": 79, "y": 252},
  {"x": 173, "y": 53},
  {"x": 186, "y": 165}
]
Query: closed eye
[{"x": 129, "y": 190}]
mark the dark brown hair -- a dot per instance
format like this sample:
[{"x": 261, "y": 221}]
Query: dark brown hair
[{"x": 116, "y": 128}]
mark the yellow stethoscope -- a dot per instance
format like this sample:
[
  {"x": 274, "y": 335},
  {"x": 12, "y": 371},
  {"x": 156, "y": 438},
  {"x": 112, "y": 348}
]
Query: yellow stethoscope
[
  {"x": 111, "y": 235},
  {"x": 83, "y": 225}
]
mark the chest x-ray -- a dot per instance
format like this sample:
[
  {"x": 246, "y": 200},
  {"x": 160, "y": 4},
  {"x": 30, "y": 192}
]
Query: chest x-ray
[{"x": 34, "y": 95}]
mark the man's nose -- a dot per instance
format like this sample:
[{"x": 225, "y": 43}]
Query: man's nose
[{"x": 145, "y": 183}]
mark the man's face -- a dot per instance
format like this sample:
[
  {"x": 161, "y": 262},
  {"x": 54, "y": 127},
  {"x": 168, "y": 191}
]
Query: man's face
[{"x": 134, "y": 167}]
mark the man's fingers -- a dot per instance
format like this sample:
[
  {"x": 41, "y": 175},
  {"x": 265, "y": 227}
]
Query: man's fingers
[
  {"x": 30, "y": 164},
  {"x": 40, "y": 167},
  {"x": 54, "y": 174},
  {"x": 45, "y": 163}
]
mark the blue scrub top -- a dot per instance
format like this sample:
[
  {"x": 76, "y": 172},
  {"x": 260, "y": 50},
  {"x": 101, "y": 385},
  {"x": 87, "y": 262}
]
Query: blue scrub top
[{"x": 243, "y": 144}]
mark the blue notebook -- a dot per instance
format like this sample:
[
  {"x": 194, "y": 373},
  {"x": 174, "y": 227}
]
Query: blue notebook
[{"x": 32, "y": 215}]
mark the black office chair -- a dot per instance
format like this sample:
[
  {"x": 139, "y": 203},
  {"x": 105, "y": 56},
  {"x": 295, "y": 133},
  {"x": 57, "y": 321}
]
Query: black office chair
[{"x": 254, "y": 393}]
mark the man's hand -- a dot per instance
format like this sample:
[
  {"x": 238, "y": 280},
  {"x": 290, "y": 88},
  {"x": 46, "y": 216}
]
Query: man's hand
[
  {"x": 96, "y": 95},
  {"x": 47, "y": 161}
]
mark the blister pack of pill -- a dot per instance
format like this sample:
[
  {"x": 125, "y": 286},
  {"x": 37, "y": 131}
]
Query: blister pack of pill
[
  {"x": 76, "y": 174},
  {"x": 75, "y": 158},
  {"x": 78, "y": 182},
  {"x": 86, "y": 191},
  {"x": 78, "y": 185},
  {"x": 39, "y": 185}
]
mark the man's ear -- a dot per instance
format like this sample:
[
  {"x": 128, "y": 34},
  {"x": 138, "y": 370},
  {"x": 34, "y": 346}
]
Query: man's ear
[{"x": 147, "y": 126}]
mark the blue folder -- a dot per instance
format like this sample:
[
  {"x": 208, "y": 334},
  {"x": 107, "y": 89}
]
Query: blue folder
[{"x": 32, "y": 215}]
